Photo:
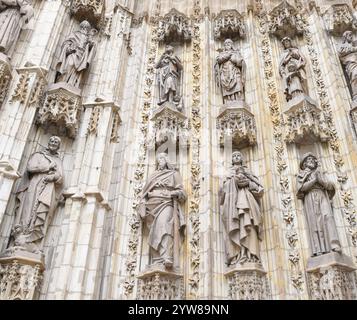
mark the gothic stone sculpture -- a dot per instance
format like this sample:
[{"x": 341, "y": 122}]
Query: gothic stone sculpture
[
  {"x": 316, "y": 191},
  {"x": 77, "y": 53},
  {"x": 241, "y": 214},
  {"x": 230, "y": 70},
  {"x": 14, "y": 16},
  {"x": 37, "y": 197},
  {"x": 348, "y": 56},
  {"x": 169, "y": 77},
  {"x": 292, "y": 70},
  {"x": 161, "y": 212}
]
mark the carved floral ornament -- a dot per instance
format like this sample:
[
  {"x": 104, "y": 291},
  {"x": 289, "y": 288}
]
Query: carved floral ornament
[
  {"x": 285, "y": 20},
  {"x": 229, "y": 23},
  {"x": 174, "y": 26}
]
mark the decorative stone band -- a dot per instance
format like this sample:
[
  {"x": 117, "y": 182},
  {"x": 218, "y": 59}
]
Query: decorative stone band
[
  {"x": 61, "y": 110},
  {"x": 332, "y": 277},
  {"x": 91, "y": 10},
  {"x": 5, "y": 76},
  {"x": 248, "y": 282},
  {"x": 20, "y": 274},
  {"x": 239, "y": 124},
  {"x": 159, "y": 284}
]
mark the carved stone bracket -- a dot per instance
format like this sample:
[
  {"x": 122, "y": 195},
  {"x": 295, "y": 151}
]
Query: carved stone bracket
[
  {"x": 229, "y": 24},
  {"x": 353, "y": 114},
  {"x": 169, "y": 125},
  {"x": 338, "y": 19},
  {"x": 5, "y": 76},
  {"x": 239, "y": 123},
  {"x": 158, "y": 284},
  {"x": 20, "y": 275},
  {"x": 248, "y": 282},
  {"x": 61, "y": 110},
  {"x": 285, "y": 21},
  {"x": 303, "y": 120},
  {"x": 91, "y": 10},
  {"x": 174, "y": 26},
  {"x": 332, "y": 277}
]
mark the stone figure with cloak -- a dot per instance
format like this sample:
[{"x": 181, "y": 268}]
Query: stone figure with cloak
[
  {"x": 348, "y": 57},
  {"x": 169, "y": 77},
  {"x": 77, "y": 53},
  {"x": 15, "y": 15},
  {"x": 241, "y": 213},
  {"x": 316, "y": 191},
  {"x": 292, "y": 70},
  {"x": 161, "y": 210},
  {"x": 230, "y": 71},
  {"x": 37, "y": 197}
]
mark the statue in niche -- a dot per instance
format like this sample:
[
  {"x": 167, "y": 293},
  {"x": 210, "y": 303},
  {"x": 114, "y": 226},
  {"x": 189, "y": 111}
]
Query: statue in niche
[
  {"x": 292, "y": 70},
  {"x": 37, "y": 197},
  {"x": 169, "y": 77},
  {"x": 348, "y": 57},
  {"x": 230, "y": 70},
  {"x": 160, "y": 209},
  {"x": 15, "y": 15},
  {"x": 241, "y": 214},
  {"x": 316, "y": 191},
  {"x": 77, "y": 53}
]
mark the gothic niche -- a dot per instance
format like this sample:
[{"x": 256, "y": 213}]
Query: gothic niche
[
  {"x": 161, "y": 210},
  {"x": 61, "y": 109},
  {"x": 285, "y": 20},
  {"x": 170, "y": 123},
  {"x": 174, "y": 27},
  {"x": 242, "y": 219},
  {"x": 91, "y": 10},
  {"x": 327, "y": 260},
  {"x": 37, "y": 197},
  {"x": 229, "y": 24},
  {"x": 303, "y": 119},
  {"x": 15, "y": 15},
  {"x": 235, "y": 119}
]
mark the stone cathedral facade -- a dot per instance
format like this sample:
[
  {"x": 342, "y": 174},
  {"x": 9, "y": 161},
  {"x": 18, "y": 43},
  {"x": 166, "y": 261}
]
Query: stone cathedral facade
[{"x": 176, "y": 149}]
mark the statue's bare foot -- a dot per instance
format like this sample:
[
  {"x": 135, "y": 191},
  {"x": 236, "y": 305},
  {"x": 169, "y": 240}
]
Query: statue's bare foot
[
  {"x": 337, "y": 249},
  {"x": 168, "y": 264}
]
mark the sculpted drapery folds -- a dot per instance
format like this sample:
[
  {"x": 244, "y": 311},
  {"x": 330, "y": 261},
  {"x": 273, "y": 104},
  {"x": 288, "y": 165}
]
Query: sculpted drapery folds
[
  {"x": 14, "y": 16},
  {"x": 37, "y": 197},
  {"x": 292, "y": 70},
  {"x": 77, "y": 53},
  {"x": 241, "y": 214},
  {"x": 348, "y": 56},
  {"x": 161, "y": 211},
  {"x": 169, "y": 77},
  {"x": 316, "y": 191},
  {"x": 230, "y": 70}
]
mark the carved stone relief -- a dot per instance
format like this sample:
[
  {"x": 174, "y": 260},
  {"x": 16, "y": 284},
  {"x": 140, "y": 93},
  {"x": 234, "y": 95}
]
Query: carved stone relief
[
  {"x": 91, "y": 10},
  {"x": 5, "y": 76},
  {"x": 338, "y": 19},
  {"x": 229, "y": 24},
  {"x": 174, "y": 26}
]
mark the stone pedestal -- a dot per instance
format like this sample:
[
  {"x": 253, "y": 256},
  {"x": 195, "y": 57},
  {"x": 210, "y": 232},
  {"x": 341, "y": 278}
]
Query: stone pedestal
[
  {"x": 235, "y": 120},
  {"x": 5, "y": 76},
  {"x": 332, "y": 277},
  {"x": 20, "y": 274},
  {"x": 157, "y": 283},
  {"x": 304, "y": 121},
  {"x": 61, "y": 110},
  {"x": 248, "y": 282},
  {"x": 169, "y": 125}
]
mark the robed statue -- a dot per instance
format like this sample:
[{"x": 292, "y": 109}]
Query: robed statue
[
  {"x": 241, "y": 213},
  {"x": 292, "y": 70},
  {"x": 77, "y": 53},
  {"x": 15, "y": 15},
  {"x": 169, "y": 77},
  {"x": 37, "y": 197},
  {"x": 161, "y": 210},
  {"x": 230, "y": 71},
  {"x": 316, "y": 191},
  {"x": 348, "y": 57}
]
